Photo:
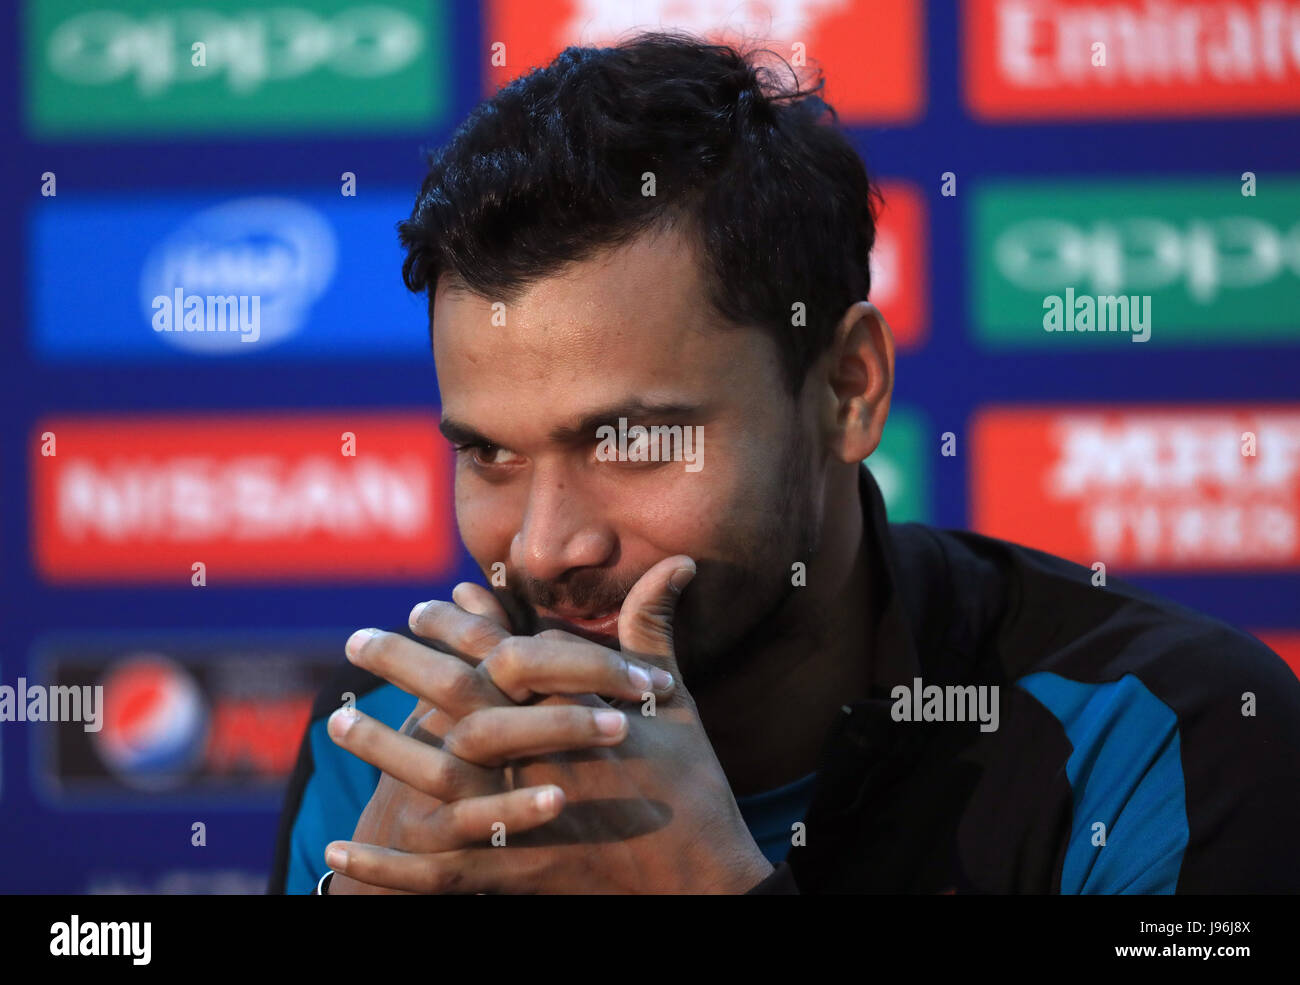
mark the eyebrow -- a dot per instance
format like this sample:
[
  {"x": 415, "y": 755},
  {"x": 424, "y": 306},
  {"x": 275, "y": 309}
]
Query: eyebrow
[{"x": 584, "y": 427}]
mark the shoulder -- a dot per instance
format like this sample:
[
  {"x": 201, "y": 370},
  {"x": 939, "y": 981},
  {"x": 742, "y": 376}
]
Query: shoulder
[
  {"x": 1045, "y": 613},
  {"x": 1180, "y": 733},
  {"x": 350, "y": 682}
]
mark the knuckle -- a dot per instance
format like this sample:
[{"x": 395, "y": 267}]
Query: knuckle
[
  {"x": 481, "y": 635},
  {"x": 456, "y": 819},
  {"x": 509, "y": 660},
  {"x": 615, "y": 667},
  {"x": 647, "y": 623},
  {"x": 439, "y": 877},
  {"x": 408, "y": 827},
  {"x": 461, "y": 740},
  {"x": 507, "y": 652},
  {"x": 561, "y": 635},
  {"x": 536, "y": 868},
  {"x": 442, "y": 778},
  {"x": 460, "y": 686}
]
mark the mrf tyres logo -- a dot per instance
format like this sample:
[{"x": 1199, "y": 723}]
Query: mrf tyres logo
[
  {"x": 157, "y": 66},
  {"x": 243, "y": 271},
  {"x": 1179, "y": 488},
  {"x": 1178, "y": 263}
]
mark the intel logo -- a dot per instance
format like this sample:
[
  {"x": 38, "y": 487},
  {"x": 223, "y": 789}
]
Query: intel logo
[{"x": 270, "y": 256}]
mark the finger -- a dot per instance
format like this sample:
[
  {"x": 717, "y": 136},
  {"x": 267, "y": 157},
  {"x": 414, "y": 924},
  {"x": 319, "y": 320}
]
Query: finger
[
  {"x": 342, "y": 885},
  {"x": 432, "y": 771},
  {"x": 445, "y": 681},
  {"x": 466, "y": 870},
  {"x": 427, "y": 723},
  {"x": 522, "y": 666},
  {"x": 479, "y": 820},
  {"x": 456, "y": 630},
  {"x": 645, "y": 623},
  {"x": 494, "y": 735},
  {"x": 481, "y": 602}
]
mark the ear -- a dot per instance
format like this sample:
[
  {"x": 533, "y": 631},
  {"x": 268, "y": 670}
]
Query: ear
[{"x": 857, "y": 383}]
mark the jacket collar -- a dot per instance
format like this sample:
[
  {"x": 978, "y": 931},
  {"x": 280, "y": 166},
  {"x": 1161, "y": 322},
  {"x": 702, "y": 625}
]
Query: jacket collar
[{"x": 893, "y": 646}]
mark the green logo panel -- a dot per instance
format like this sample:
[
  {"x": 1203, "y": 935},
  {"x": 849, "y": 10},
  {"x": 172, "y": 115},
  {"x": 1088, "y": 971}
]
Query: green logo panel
[
  {"x": 900, "y": 469},
  {"x": 1217, "y": 265},
  {"x": 150, "y": 67}
]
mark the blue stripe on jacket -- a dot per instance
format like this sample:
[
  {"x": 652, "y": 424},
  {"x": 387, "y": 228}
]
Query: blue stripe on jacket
[{"x": 1126, "y": 772}]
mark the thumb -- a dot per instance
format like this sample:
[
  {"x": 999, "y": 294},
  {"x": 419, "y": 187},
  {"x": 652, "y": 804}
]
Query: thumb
[{"x": 645, "y": 624}]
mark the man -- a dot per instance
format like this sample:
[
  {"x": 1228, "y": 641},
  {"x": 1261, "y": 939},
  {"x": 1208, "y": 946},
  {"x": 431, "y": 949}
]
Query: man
[{"x": 709, "y": 663}]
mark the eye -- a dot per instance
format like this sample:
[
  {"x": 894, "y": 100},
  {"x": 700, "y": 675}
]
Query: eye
[
  {"x": 486, "y": 455},
  {"x": 639, "y": 447}
]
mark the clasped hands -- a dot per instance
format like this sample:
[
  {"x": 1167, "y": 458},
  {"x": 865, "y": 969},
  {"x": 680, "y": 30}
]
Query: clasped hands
[{"x": 542, "y": 763}]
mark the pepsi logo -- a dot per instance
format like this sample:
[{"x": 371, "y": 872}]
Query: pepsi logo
[{"x": 155, "y": 722}]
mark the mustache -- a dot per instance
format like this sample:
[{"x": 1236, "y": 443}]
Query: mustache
[{"x": 584, "y": 591}]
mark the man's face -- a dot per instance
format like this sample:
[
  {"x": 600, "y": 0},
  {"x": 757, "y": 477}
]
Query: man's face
[{"x": 626, "y": 334}]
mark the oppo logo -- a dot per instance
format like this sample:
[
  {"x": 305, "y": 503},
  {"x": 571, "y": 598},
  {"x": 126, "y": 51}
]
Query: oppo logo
[
  {"x": 244, "y": 49},
  {"x": 1144, "y": 254}
]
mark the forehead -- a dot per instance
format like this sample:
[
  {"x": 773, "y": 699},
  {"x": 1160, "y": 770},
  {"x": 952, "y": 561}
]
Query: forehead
[{"x": 631, "y": 321}]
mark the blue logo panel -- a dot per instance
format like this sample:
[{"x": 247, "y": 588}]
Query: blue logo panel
[{"x": 143, "y": 279}]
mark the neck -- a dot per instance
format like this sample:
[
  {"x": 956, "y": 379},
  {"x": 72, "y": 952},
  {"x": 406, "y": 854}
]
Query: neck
[{"x": 768, "y": 722}]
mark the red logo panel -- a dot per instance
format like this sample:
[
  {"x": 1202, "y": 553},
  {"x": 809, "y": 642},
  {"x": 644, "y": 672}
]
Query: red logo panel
[
  {"x": 142, "y": 498},
  {"x": 1285, "y": 643},
  {"x": 1035, "y": 59},
  {"x": 899, "y": 282},
  {"x": 871, "y": 51},
  {"x": 1150, "y": 488}
]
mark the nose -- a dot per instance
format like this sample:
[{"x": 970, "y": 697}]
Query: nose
[{"x": 563, "y": 528}]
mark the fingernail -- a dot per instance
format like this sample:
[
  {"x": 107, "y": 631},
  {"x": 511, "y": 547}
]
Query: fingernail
[
  {"x": 415, "y": 614},
  {"x": 547, "y": 800},
  {"x": 610, "y": 722},
  {"x": 681, "y": 577},
  {"x": 639, "y": 678},
  {"x": 341, "y": 721},
  {"x": 336, "y": 858},
  {"x": 662, "y": 679},
  {"x": 356, "y": 641}
]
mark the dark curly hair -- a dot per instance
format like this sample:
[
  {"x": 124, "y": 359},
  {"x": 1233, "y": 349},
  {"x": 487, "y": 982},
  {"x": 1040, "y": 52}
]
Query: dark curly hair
[{"x": 550, "y": 171}]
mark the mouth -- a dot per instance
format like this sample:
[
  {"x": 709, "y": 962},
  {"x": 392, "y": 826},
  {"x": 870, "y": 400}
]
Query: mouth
[{"x": 599, "y": 627}]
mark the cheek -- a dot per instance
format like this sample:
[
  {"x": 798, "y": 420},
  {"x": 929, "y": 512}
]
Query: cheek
[
  {"x": 486, "y": 521},
  {"x": 693, "y": 515}
]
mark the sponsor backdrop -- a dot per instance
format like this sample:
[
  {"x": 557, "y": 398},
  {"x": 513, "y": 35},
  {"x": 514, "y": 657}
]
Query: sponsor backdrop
[{"x": 1090, "y": 256}]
